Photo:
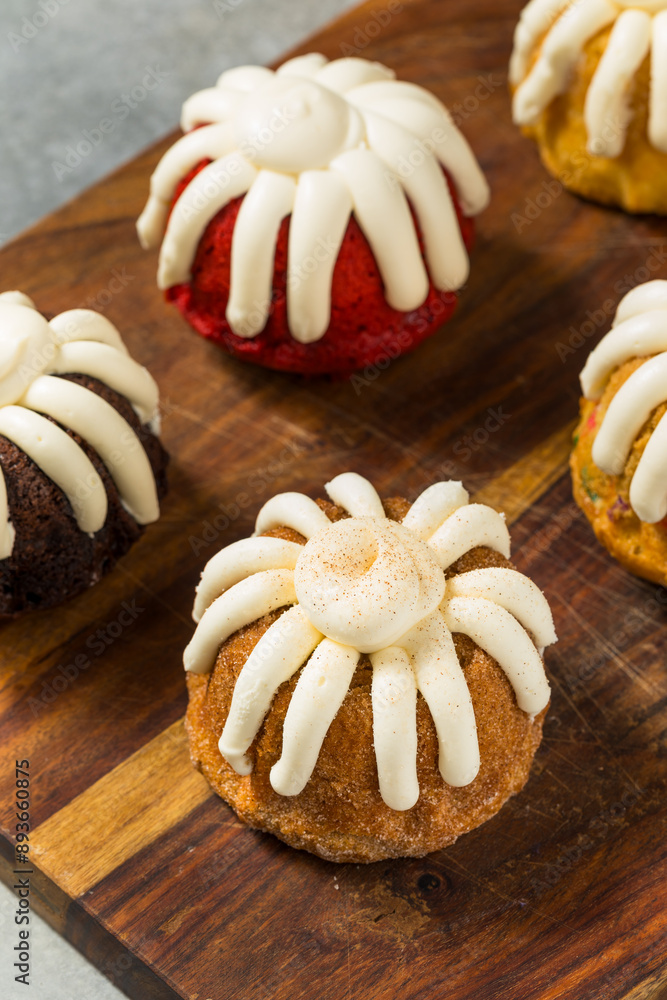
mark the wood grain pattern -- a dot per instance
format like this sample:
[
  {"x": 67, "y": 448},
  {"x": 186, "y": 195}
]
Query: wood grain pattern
[
  {"x": 122, "y": 813},
  {"x": 562, "y": 894}
]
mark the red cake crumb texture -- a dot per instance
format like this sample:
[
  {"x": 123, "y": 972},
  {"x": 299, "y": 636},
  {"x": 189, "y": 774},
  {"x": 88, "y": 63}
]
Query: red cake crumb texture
[{"x": 364, "y": 329}]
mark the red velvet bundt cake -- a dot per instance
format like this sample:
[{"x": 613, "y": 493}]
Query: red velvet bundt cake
[{"x": 315, "y": 219}]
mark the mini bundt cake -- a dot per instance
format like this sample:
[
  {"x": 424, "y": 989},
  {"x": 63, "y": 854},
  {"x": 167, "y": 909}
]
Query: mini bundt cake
[
  {"x": 81, "y": 468},
  {"x": 315, "y": 219},
  {"x": 366, "y": 678},
  {"x": 619, "y": 460},
  {"x": 590, "y": 86}
]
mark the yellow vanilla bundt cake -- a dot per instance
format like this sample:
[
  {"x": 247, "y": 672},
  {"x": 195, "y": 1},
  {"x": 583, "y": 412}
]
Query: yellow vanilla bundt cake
[
  {"x": 619, "y": 460},
  {"x": 589, "y": 81}
]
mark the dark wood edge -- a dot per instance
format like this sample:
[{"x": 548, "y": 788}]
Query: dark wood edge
[{"x": 98, "y": 945}]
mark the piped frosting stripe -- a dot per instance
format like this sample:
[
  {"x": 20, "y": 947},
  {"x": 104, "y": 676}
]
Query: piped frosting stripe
[
  {"x": 380, "y": 208},
  {"x": 60, "y": 458},
  {"x": 210, "y": 142},
  {"x": 498, "y": 633},
  {"x": 560, "y": 50},
  {"x": 466, "y": 528},
  {"x": 291, "y": 510},
  {"x": 7, "y": 532},
  {"x": 549, "y": 41},
  {"x": 108, "y": 433},
  {"x": 639, "y": 331},
  {"x": 648, "y": 489},
  {"x": 394, "y": 703},
  {"x": 267, "y": 203},
  {"x": 606, "y": 111},
  {"x": 366, "y": 584},
  {"x": 349, "y": 138},
  {"x": 432, "y": 508},
  {"x": 355, "y": 495},
  {"x": 657, "y": 121},
  {"x": 441, "y": 681},
  {"x": 318, "y": 695},
  {"x": 243, "y": 603},
  {"x": 639, "y": 336},
  {"x": 240, "y": 560},
  {"x": 510, "y": 590},
  {"x": 213, "y": 188},
  {"x": 113, "y": 368},
  {"x": 278, "y": 655},
  {"x": 78, "y": 341}
]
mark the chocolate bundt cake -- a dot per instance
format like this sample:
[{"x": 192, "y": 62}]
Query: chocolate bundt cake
[
  {"x": 81, "y": 468},
  {"x": 316, "y": 219},
  {"x": 366, "y": 678}
]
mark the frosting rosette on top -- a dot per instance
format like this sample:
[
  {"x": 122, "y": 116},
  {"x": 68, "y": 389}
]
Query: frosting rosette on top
[
  {"x": 319, "y": 143},
  {"x": 369, "y": 586}
]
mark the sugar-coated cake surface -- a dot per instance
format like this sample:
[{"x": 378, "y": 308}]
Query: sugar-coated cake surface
[{"x": 337, "y": 592}]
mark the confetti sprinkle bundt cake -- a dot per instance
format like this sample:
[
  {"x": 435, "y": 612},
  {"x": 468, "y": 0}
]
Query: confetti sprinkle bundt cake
[
  {"x": 590, "y": 86},
  {"x": 81, "y": 468},
  {"x": 619, "y": 461},
  {"x": 366, "y": 678},
  {"x": 314, "y": 219}
]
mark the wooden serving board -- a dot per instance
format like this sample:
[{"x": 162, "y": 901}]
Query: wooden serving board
[{"x": 135, "y": 860}]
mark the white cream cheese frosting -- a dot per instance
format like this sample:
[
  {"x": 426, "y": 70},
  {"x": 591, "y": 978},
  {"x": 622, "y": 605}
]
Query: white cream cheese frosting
[
  {"x": 548, "y": 42},
  {"x": 33, "y": 352},
  {"x": 317, "y": 141},
  {"x": 639, "y": 330},
  {"x": 369, "y": 585}
]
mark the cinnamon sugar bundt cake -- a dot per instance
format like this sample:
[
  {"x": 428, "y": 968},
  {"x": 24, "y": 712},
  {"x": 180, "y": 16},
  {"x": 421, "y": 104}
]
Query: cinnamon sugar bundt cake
[
  {"x": 315, "y": 219},
  {"x": 590, "y": 86},
  {"x": 81, "y": 468},
  {"x": 619, "y": 460},
  {"x": 366, "y": 677}
]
